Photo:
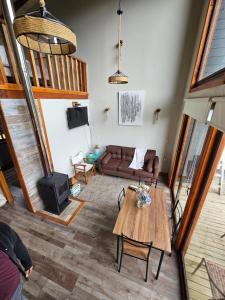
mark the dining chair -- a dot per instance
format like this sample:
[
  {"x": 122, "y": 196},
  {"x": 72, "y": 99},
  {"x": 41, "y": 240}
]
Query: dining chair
[
  {"x": 135, "y": 249},
  {"x": 121, "y": 197},
  {"x": 81, "y": 167},
  {"x": 216, "y": 276}
]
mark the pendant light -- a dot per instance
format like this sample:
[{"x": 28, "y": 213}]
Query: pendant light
[
  {"x": 42, "y": 32},
  {"x": 119, "y": 77}
]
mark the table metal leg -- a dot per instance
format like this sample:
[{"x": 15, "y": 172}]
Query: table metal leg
[
  {"x": 160, "y": 263},
  {"x": 118, "y": 244}
]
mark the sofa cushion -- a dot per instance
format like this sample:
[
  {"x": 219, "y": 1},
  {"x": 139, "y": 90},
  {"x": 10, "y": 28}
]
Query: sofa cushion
[
  {"x": 115, "y": 151},
  {"x": 148, "y": 166},
  {"x": 150, "y": 154},
  {"x": 112, "y": 164},
  {"x": 124, "y": 167},
  {"x": 142, "y": 173},
  {"x": 127, "y": 153}
]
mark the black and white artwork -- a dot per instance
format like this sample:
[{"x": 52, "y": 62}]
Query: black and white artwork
[{"x": 131, "y": 106}]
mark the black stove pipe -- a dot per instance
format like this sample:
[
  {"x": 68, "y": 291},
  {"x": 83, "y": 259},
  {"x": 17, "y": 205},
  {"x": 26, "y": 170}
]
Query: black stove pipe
[{"x": 9, "y": 15}]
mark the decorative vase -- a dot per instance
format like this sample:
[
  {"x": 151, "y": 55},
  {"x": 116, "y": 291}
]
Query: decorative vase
[{"x": 143, "y": 196}]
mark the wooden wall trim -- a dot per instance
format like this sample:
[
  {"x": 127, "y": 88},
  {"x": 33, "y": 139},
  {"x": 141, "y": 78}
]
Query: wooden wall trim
[
  {"x": 15, "y": 161},
  {"x": 185, "y": 125},
  {"x": 5, "y": 188},
  {"x": 15, "y": 91},
  {"x": 202, "y": 45},
  {"x": 45, "y": 133},
  {"x": 212, "y": 151}
]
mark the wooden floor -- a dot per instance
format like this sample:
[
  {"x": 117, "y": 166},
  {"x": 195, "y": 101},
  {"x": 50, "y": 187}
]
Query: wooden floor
[
  {"x": 206, "y": 242},
  {"x": 78, "y": 261}
]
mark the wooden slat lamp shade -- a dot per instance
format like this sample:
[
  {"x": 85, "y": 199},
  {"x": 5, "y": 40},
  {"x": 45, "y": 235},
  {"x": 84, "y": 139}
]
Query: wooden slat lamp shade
[{"x": 42, "y": 32}]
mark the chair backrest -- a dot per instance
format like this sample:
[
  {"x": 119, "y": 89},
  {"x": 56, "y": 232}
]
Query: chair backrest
[
  {"x": 120, "y": 197},
  {"x": 77, "y": 159},
  {"x": 136, "y": 244},
  {"x": 177, "y": 215}
]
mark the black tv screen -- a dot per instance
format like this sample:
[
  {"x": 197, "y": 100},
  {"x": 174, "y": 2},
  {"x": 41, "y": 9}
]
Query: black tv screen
[{"x": 77, "y": 116}]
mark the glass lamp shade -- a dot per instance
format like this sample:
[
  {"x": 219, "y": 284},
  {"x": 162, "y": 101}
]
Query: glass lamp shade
[
  {"x": 44, "y": 34},
  {"x": 118, "y": 78}
]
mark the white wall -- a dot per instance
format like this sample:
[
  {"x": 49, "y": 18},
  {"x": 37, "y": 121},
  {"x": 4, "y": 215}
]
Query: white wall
[
  {"x": 158, "y": 42},
  {"x": 64, "y": 142}
]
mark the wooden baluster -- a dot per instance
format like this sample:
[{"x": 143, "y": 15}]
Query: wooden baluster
[
  {"x": 68, "y": 77},
  {"x": 72, "y": 70},
  {"x": 42, "y": 69},
  {"x": 80, "y": 76},
  {"x": 10, "y": 53},
  {"x": 84, "y": 73},
  {"x": 76, "y": 83},
  {"x": 3, "y": 78},
  {"x": 50, "y": 73},
  {"x": 33, "y": 68},
  {"x": 62, "y": 72},
  {"x": 56, "y": 71}
]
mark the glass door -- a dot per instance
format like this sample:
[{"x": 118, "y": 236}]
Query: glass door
[
  {"x": 205, "y": 256},
  {"x": 189, "y": 161}
]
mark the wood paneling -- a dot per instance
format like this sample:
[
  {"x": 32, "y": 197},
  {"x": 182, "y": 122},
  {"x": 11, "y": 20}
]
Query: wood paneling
[
  {"x": 23, "y": 143},
  {"x": 15, "y": 158}
]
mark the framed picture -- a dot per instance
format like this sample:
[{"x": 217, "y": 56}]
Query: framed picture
[{"x": 131, "y": 107}]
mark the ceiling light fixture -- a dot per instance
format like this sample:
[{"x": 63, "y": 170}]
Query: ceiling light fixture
[
  {"x": 42, "y": 32},
  {"x": 119, "y": 77}
]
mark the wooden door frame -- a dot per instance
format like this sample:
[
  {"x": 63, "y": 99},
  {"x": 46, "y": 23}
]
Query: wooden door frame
[
  {"x": 210, "y": 156},
  {"x": 15, "y": 160},
  {"x": 185, "y": 125}
]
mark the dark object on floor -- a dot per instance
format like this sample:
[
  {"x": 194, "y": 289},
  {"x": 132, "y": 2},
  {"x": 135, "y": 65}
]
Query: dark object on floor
[
  {"x": 54, "y": 191},
  {"x": 116, "y": 160}
]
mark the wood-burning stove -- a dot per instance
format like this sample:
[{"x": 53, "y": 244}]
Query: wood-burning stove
[{"x": 54, "y": 191}]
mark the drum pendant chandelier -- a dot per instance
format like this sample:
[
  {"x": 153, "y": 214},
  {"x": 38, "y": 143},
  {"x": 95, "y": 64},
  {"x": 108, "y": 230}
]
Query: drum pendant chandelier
[
  {"x": 42, "y": 32},
  {"x": 119, "y": 77}
]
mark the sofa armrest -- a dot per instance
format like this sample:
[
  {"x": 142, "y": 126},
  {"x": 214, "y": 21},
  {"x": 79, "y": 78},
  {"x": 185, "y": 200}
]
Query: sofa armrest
[
  {"x": 102, "y": 158},
  {"x": 156, "y": 167},
  {"x": 106, "y": 158}
]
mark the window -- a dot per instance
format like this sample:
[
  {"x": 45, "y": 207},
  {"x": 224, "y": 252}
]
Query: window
[{"x": 210, "y": 65}]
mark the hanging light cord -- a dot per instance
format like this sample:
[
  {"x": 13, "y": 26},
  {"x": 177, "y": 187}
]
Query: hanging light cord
[{"x": 119, "y": 13}]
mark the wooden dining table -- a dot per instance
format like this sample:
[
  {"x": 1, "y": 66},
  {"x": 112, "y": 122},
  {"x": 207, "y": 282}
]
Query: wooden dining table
[{"x": 147, "y": 224}]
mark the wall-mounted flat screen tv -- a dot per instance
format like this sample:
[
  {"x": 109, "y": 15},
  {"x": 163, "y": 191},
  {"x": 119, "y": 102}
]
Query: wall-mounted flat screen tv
[{"x": 77, "y": 116}]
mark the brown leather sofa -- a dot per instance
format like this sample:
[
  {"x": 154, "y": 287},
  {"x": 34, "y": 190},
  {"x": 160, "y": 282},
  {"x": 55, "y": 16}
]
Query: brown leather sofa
[{"x": 116, "y": 160}]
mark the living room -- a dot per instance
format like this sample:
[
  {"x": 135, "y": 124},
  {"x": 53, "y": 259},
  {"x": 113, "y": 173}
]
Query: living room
[{"x": 105, "y": 182}]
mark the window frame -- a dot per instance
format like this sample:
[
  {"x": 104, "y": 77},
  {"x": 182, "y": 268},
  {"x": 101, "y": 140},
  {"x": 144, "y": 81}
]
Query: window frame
[{"x": 217, "y": 78}]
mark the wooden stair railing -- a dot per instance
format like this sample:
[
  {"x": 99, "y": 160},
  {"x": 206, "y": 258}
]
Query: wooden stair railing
[
  {"x": 61, "y": 72},
  {"x": 58, "y": 71}
]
